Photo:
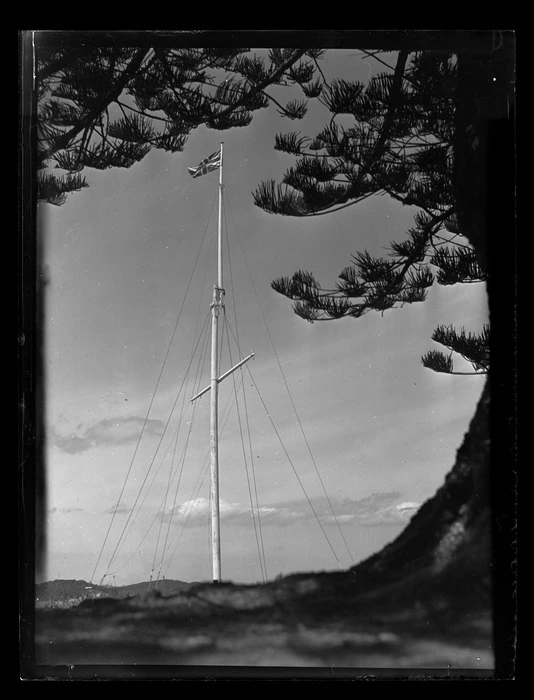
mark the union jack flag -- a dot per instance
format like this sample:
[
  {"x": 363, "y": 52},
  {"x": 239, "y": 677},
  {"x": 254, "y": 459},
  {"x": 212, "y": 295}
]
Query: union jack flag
[{"x": 210, "y": 163}]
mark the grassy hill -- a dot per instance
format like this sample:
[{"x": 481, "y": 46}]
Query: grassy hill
[{"x": 66, "y": 593}]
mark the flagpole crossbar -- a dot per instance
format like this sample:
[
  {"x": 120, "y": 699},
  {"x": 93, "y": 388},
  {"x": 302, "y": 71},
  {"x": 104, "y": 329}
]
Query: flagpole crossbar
[{"x": 223, "y": 376}]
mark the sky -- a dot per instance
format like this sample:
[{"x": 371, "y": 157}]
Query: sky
[{"x": 370, "y": 433}]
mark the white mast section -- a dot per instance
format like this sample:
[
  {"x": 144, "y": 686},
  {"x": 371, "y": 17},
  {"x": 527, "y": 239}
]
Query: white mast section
[{"x": 217, "y": 307}]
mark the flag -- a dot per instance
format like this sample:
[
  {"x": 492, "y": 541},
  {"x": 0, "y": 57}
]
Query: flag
[{"x": 207, "y": 165}]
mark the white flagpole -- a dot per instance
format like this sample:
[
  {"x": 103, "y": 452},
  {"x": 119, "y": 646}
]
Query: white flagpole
[{"x": 216, "y": 308}]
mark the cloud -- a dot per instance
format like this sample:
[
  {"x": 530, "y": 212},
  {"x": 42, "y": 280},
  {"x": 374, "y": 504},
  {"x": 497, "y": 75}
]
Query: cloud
[
  {"x": 120, "y": 509},
  {"x": 104, "y": 433},
  {"x": 407, "y": 508},
  {"x": 381, "y": 508},
  {"x": 65, "y": 510},
  {"x": 198, "y": 511},
  {"x": 376, "y": 509}
]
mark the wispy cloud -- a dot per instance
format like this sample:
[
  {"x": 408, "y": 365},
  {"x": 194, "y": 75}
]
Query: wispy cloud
[
  {"x": 384, "y": 508},
  {"x": 119, "y": 509},
  {"x": 198, "y": 510},
  {"x": 375, "y": 509},
  {"x": 64, "y": 510},
  {"x": 105, "y": 433}
]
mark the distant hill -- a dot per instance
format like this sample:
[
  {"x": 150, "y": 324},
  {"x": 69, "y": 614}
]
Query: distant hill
[{"x": 65, "y": 593}]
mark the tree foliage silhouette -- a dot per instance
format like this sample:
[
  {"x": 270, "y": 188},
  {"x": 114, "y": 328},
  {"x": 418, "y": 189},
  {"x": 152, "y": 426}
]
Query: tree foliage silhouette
[
  {"x": 104, "y": 107},
  {"x": 401, "y": 142}
]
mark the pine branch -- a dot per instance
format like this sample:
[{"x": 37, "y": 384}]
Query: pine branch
[
  {"x": 272, "y": 79},
  {"x": 471, "y": 346},
  {"x": 394, "y": 100},
  {"x": 62, "y": 62},
  {"x": 123, "y": 105},
  {"x": 289, "y": 143},
  {"x": 438, "y": 362},
  {"x": 106, "y": 99},
  {"x": 54, "y": 189},
  {"x": 381, "y": 283},
  {"x": 276, "y": 200},
  {"x": 296, "y": 109},
  {"x": 460, "y": 265}
]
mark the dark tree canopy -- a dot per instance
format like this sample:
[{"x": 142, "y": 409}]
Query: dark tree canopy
[
  {"x": 400, "y": 142},
  {"x": 104, "y": 107}
]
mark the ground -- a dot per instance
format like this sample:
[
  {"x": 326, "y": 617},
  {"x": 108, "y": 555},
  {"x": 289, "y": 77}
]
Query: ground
[{"x": 303, "y": 621}]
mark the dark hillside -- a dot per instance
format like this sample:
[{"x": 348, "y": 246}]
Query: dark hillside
[
  {"x": 164, "y": 587},
  {"x": 71, "y": 591},
  {"x": 63, "y": 590}
]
